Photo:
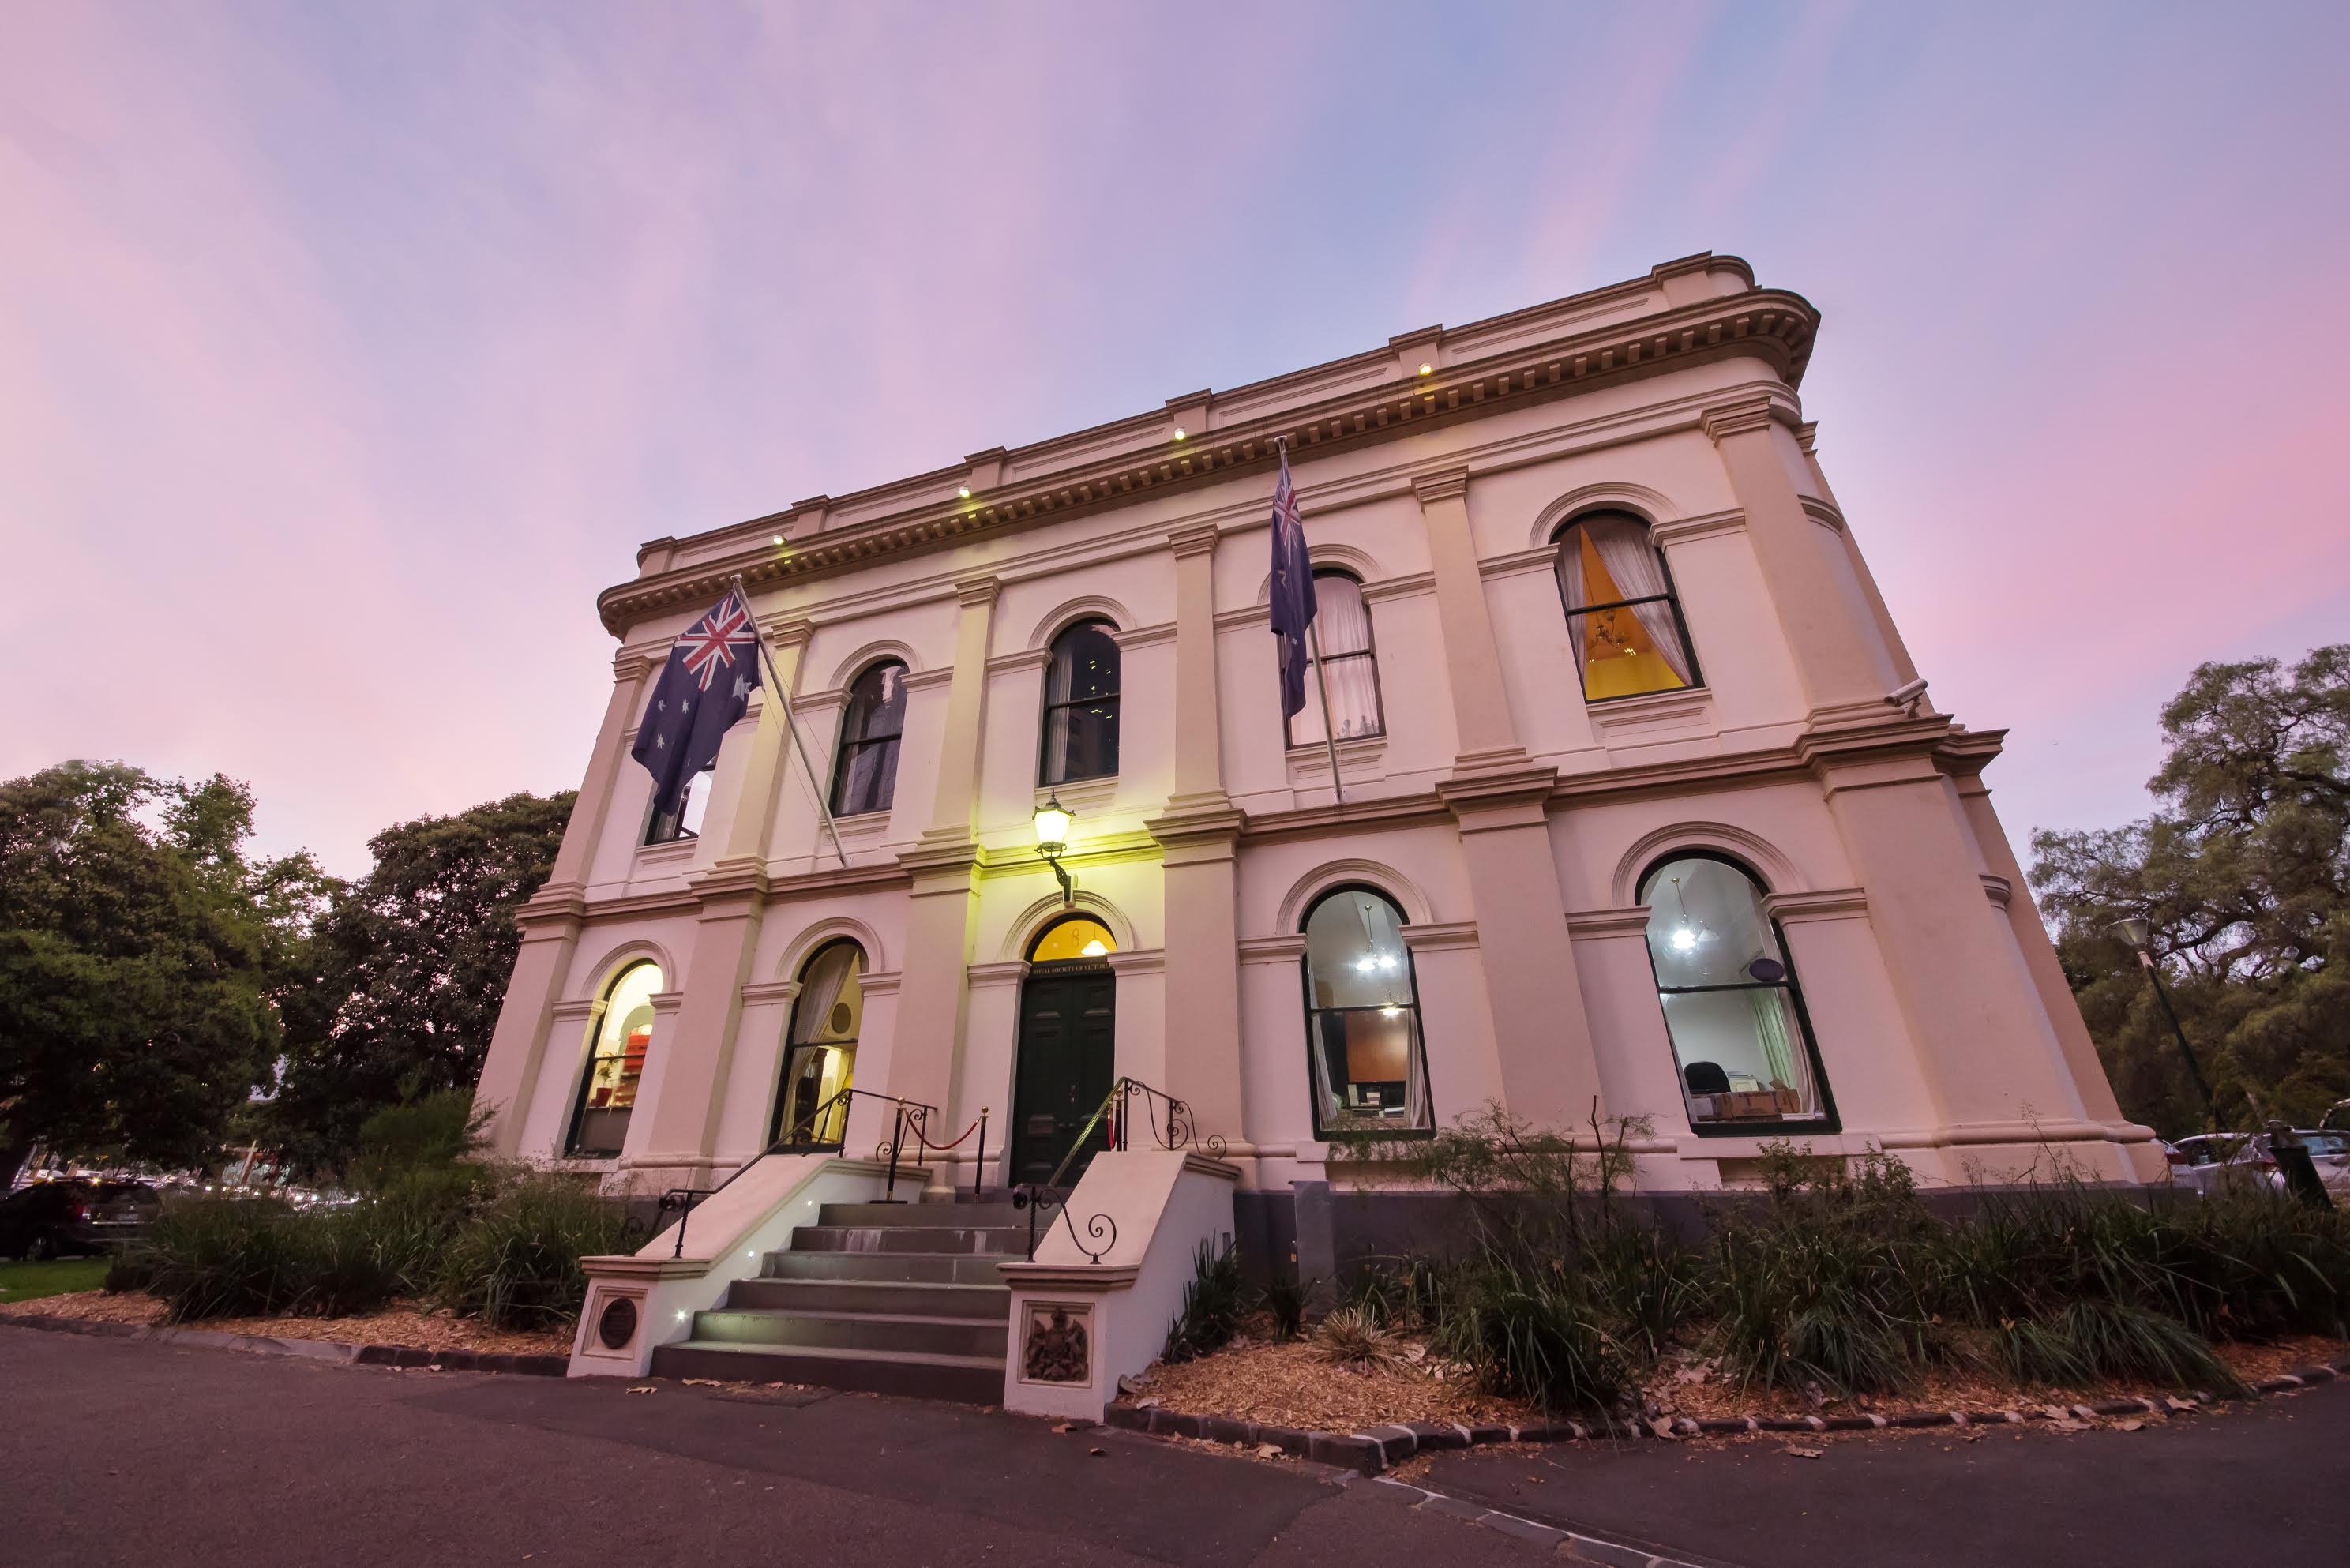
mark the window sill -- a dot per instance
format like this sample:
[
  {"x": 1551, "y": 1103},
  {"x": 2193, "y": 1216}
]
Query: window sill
[
  {"x": 1363, "y": 755},
  {"x": 864, "y": 824},
  {"x": 1682, "y": 708},
  {"x": 1079, "y": 794},
  {"x": 668, "y": 852},
  {"x": 1767, "y": 1126}
]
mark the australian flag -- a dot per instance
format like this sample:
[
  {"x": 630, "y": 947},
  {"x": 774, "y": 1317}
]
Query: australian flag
[
  {"x": 1293, "y": 590},
  {"x": 701, "y": 691}
]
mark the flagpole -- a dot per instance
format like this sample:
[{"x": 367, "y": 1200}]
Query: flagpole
[
  {"x": 1322, "y": 685},
  {"x": 1321, "y": 682},
  {"x": 791, "y": 724}
]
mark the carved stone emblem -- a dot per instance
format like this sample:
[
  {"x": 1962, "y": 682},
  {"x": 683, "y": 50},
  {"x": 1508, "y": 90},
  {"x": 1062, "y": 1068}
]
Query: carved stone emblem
[
  {"x": 1059, "y": 1348},
  {"x": 617, "y": 1324}
]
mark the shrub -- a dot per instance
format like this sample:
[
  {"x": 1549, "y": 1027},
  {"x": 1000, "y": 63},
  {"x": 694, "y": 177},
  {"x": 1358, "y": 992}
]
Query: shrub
[
  {"x": 1532, "y": 1332},
  {"x": 435, "y": 1131},
  {"x": 1213, "y": 1301},
  {"x": 516, "y": 1263},
  {"x": 1285, "y": 1296},
  {"x": 1352, "y": 1338}
]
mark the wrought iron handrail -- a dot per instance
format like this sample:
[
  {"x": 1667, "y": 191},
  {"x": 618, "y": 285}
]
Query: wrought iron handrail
[
  {"x": 681, "y": 1200},
  {"x": 1180, "y": 1129}
]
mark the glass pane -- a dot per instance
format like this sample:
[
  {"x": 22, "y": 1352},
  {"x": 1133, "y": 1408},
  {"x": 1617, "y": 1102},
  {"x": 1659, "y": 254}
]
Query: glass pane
[
  {"x": 1081, "y": 742},
  {"x": 1077, "y": 938},
  {"x": 1366, "y": 1069},
  {"x": 1340, "y": 619},
  {"x": 869, "y": 778},
  {"x": 1085, "y": 665},
  {"x": 831, "y": 1003},
  {"x": 813, "y": 1080},
  {"x": 1355, "y": 955},
  {"x": 1741, "y": 1055},
  {"x": 1707, "y": 927},
  {"x": 877, "y": 703},
  {"x": 1631, "y": 649}
]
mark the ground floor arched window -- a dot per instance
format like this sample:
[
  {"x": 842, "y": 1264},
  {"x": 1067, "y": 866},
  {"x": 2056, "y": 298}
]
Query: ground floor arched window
[
  {"x": 615, "y": 1065},
  {"x": 1364, "y": 1050},
  {"x": 1732, "y": 1006},
  {"x": 820, "y": 1048}
]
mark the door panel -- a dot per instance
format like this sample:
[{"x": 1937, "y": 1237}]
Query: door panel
[{"x": 1068, "y": 1027}]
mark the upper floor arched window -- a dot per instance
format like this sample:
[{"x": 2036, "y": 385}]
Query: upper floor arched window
[
  {"x": 685, "y": 822},
  {"x": 865, "y": 774},
  {"x": 615, "y": 1065},
  {"x": 1362, "y": 1017},
  {"x": 1081, "y": 705},
  {"x": 1740, "y": 1035},
  {"x": 1623, "y": 618},
  {"x": 1350, "y": 666},
  {"x": 820, "y": 1047}
]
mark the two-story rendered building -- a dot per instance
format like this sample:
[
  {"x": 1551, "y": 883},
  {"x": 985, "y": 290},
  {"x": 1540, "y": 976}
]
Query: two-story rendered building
[{"x": 1644, "y": 810}]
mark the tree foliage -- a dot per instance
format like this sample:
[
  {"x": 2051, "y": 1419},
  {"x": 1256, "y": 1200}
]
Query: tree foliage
[
  {"x": 142, "y": 959},
  {"x": 2243, "y": 873},
  {"x": 408, "y": 969}
]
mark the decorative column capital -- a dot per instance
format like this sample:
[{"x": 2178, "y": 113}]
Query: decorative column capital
[
  {"x": 1807, "y": 436},
  {"x": 787, "y": 631},
  {"x": 973, "y": 592},
  {"x": 1192, "y": 539},
  {"x": 1450, "y": 484},
  {"x": 1740, "y": 416}
]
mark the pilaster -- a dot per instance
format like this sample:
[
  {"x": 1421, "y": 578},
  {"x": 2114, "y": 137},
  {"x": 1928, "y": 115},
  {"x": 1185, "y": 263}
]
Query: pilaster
[
  {"x": 1473, "y": 659},
  {"x": 510, "y": 1070},
  {"x": 956, "y": 801},
  {"x": 934, "y": 996},
  {"x": 1542, "y": 1030},
  {"x": 697, "y": 1053},
  {"x": 1827, "y": 622},
  {"x": 576, "y": 855}
]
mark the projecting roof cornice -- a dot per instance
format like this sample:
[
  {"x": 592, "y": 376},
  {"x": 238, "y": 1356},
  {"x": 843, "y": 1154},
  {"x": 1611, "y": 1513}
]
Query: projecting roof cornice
[{"x": 1531, "y": 356}]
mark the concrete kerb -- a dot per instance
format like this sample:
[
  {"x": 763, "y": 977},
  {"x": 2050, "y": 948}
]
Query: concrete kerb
[
  {"x": 330, "y": 1350},
  {"x": 1381, "y": 1448}
]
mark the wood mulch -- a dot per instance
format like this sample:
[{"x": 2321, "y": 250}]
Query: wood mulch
[
  {"x": 1289, "y": 1385},
  {"x": 406, "y": 1324}
]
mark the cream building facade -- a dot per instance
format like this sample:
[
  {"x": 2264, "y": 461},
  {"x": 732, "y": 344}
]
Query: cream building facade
[{"x": 1646, "y": 811}]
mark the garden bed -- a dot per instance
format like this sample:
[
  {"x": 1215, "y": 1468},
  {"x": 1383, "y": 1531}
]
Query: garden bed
[
  {"x": 1288, "y": 1385},
  {"x": 404, "y": 1325}
]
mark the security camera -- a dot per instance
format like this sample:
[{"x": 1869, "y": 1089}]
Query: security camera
[{"x": 1906, "y": 697}]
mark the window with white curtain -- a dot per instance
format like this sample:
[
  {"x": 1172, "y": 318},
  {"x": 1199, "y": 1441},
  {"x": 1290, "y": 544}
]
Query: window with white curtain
[
  {"x": 1349, "y": 665},
  {"x": 865, "y": 776},
  {"x": 820, "y": 1048},
  {"x": 1733, "y": 1008},
  {"x": 1623, "y": 618},
  {"x": 1362, "y": 1017}
]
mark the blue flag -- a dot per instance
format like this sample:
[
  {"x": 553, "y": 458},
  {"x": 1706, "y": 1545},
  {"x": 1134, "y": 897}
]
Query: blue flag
[
  {"x": 1293, "y": 590},
  {"x": 702, "y": 690}
]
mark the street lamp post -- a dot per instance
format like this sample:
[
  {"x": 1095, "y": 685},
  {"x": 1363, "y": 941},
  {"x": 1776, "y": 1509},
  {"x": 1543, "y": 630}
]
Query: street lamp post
[{"x": 2139, "y": 934}]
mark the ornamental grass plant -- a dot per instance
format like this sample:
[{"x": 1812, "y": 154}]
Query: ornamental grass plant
[{"x": 1837, "y": 1278}]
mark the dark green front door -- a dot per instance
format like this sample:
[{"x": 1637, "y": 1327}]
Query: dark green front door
[{"x": 1068, "y": 1024}]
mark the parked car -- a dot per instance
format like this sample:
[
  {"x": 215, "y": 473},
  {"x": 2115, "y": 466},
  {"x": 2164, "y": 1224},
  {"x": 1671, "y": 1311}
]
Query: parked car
[
  {"x": 52, "y": 1218},
  {"x": 2209, "y": 1161}
]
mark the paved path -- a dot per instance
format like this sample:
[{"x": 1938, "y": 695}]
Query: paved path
[
  {"x": 162, "y": 1456},
  {"x": 120, "y": 1452},
  {"x": 2263, "y": 1483}
]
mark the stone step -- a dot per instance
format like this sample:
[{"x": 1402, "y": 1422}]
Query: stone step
[
  {"x": 855, "y": 1330},
  {"x": 985, "y": 1240},
  {"x": 946, "y": 1216},
  {"x": 984, "y": 1302},
  {"x": 968, "y": 1380},
  {"x": 922, "y": 1267}
]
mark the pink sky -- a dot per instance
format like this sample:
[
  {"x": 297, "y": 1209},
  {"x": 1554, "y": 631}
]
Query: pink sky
[{"x": 345, "y": 353}]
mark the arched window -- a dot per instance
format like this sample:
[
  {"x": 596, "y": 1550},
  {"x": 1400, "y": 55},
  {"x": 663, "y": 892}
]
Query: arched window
[
  {"x": 1623, "y": 617},
  {"x": 1078, "y": 936},
  {"x": 1081, "y": 705},
  {"x": 1739, "y": 1033},
  {"x": 1350, "y": 666},
  {"x": 820, "y": 1048},
  {"x": 616, "y": 1063},
  {"x": 1362, "y": 1017},
  {"x": 685, "y": 822},
  {"x": 865, "y": 776}
]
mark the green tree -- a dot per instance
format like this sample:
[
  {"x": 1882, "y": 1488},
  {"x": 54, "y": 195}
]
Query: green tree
[
  {"x": 141, "y": 959},
  {"x": 2243, "y": 873},
  {"x": 408, "y": 970}
]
